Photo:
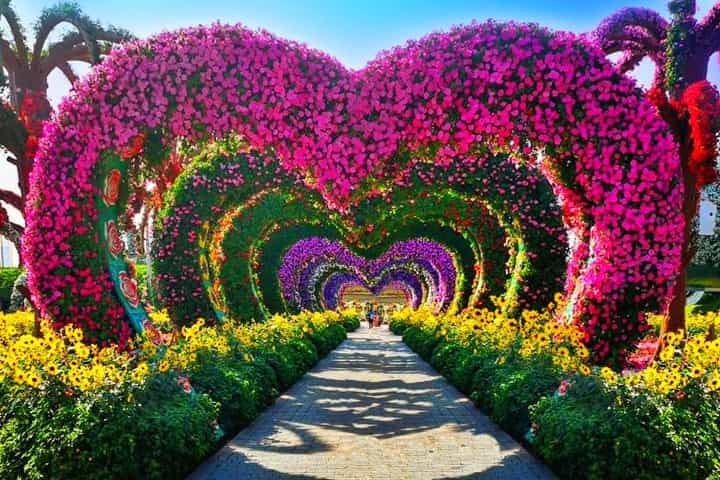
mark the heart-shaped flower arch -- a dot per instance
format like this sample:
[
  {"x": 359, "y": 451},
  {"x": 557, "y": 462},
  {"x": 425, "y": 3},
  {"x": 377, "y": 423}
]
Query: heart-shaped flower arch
[
  {"x": 249, "y": 246},
  {"x": 507, "y": 87},
  {"x": 301, "y": 273},
  {"x": 228, "y": 190}
]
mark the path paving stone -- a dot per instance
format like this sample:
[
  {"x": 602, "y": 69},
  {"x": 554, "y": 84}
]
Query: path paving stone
[{"x": 372, "y": 409}]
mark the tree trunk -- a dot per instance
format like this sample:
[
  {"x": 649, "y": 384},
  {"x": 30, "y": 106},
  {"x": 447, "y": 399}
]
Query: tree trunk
[{"x": 675, "y": 319}]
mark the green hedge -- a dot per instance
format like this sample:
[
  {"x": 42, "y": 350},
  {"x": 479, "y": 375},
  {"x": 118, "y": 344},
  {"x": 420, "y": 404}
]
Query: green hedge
[
  {"x": 157, "y": 431},
  {"x": 588, "y": 431},
  {"x": 7, "y": 279}
]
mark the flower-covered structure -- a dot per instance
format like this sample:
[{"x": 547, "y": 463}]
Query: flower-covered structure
[
  {"x": 501, "y": 222},
  {"x": 549, "y": 99},
  {"x": 312, "y": 262},
  {"x": 680, "y": 50}
]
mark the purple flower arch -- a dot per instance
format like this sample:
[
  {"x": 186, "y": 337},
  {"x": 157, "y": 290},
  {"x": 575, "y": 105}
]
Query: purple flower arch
[
  {"x": 308, "y": 264},
  {"x": 515, "y": 88}
]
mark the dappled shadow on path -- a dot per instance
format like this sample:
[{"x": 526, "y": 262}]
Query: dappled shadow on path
[
  {"x": 371, "y": 409},
  {"x": 360, "y": 391}
]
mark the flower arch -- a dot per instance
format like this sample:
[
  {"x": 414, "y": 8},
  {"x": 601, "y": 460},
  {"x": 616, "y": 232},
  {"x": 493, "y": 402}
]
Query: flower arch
[
  {"x": 511, "y": 88},
  {"x": 222, "y": 224}
]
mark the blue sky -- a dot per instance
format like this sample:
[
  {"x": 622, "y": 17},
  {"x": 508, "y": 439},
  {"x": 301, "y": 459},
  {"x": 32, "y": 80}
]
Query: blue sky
[{"x": 352, "y": 31}]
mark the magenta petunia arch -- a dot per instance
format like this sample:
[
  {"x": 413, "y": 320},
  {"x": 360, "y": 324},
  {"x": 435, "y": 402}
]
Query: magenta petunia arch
[{"x": 495, "y": 87}]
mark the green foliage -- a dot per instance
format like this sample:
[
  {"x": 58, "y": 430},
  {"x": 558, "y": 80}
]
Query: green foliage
[
  {"x": 515, "y": 385},
  {"x": 234, "y": 385},
  {"x": 155, "y": 432},
  {"x": 351, "y": 322},
  {"x": 7, "y": 279},
  {"x": 504, "y": 390},
  {"x": 704, "y": 276},
  {"x": 12, "y": 132},
  {"x": 463, "y": 371},
  {"x": 285, "y": 362},
  {"x": 142, "y": 280},
  {"x": 707, "y": 256},
  {"x": 277, "y": 219},
  {"x": 596, "y": 433},
  {"x": 222, "y": 168},
  {"x": 328, "y": 339},
  {"x": 306, "y": 352},
  {"x": 443, "y": 358},
  {"x": 397, "y": 327},
  {"x": 476, "y": 220}
]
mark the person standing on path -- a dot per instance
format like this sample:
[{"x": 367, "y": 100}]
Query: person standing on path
[{"x": 370, "y": 315}]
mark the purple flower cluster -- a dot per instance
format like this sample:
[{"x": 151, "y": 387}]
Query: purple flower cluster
[{"x": 314, "y": 270}]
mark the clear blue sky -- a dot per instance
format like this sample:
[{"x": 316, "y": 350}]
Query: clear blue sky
[{"x": 352, "y": 31}]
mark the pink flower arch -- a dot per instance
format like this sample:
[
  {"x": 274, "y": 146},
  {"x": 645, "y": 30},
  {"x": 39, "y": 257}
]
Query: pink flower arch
[{"x": 547, "y": 98}]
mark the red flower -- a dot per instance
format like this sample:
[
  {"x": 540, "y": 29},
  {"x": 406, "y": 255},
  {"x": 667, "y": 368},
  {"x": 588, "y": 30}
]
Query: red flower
[
  {"x": 135, "y": 146},
  {"x": 702, "y": 102}
]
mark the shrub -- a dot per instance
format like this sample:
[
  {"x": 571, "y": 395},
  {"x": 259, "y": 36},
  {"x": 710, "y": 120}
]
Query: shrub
[
  {"x": 351, "y": 320},
  {"x": 397, "y": 326},
  {"x": 70, "y": 410},
  {"x": 7, "y": 280},
  {"x": 466, "y": 365},
  {"x": 307, "y": 355},
  {"x": 157, "y": 431},
  {"x": 594, "y": 432},
  {"x": 231, "y": 384},
  {"x": 515, "y": 386},
  {"x": 285, "y": 361},
  {"x": 444, "y": 357}
]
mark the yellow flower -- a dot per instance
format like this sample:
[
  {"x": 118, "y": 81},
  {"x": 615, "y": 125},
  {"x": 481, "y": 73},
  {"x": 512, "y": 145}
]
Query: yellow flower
[
  {"x": 608, "y": 375},
  {"x": 562, "y": 351},
  {"x": 714, "y": 382},
  {"x": 33, "y": 379},
  {"x": 667, "y": 354},
  {"x": 19, "y": 376},
  {"x": 82, "y": 351},
  {"x": 52, "y": 368},
  {"x": 584, "y": 369},
  {"x": 164, "y": 366}
]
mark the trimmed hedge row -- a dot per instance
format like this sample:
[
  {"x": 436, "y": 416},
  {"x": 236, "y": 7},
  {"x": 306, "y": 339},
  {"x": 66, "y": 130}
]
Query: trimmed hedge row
[
  {"x": 587, "y": 431},
  {"x": 155, "y": 431}
]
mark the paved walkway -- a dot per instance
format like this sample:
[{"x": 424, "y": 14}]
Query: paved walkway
[{"x": 372, "y": 410}]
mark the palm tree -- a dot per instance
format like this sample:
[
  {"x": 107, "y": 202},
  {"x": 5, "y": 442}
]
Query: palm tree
[
  {"x": 680, "y": 51},
  {"x": 28, "y": 70}
]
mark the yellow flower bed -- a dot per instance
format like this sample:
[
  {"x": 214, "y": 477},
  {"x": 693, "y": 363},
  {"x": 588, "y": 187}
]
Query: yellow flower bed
[
  {"x": 694, "y": 320},
  {"x": 63, "y": 356},
  {"x": 531, "y": 332},
  {"x": 684, "y": 361}
]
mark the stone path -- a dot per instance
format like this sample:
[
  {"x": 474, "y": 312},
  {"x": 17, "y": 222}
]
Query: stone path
[{"x": 372, "y": 410}]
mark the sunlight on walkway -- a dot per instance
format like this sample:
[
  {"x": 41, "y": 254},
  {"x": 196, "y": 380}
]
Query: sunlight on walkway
[{"x": 372, "y": 410}]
